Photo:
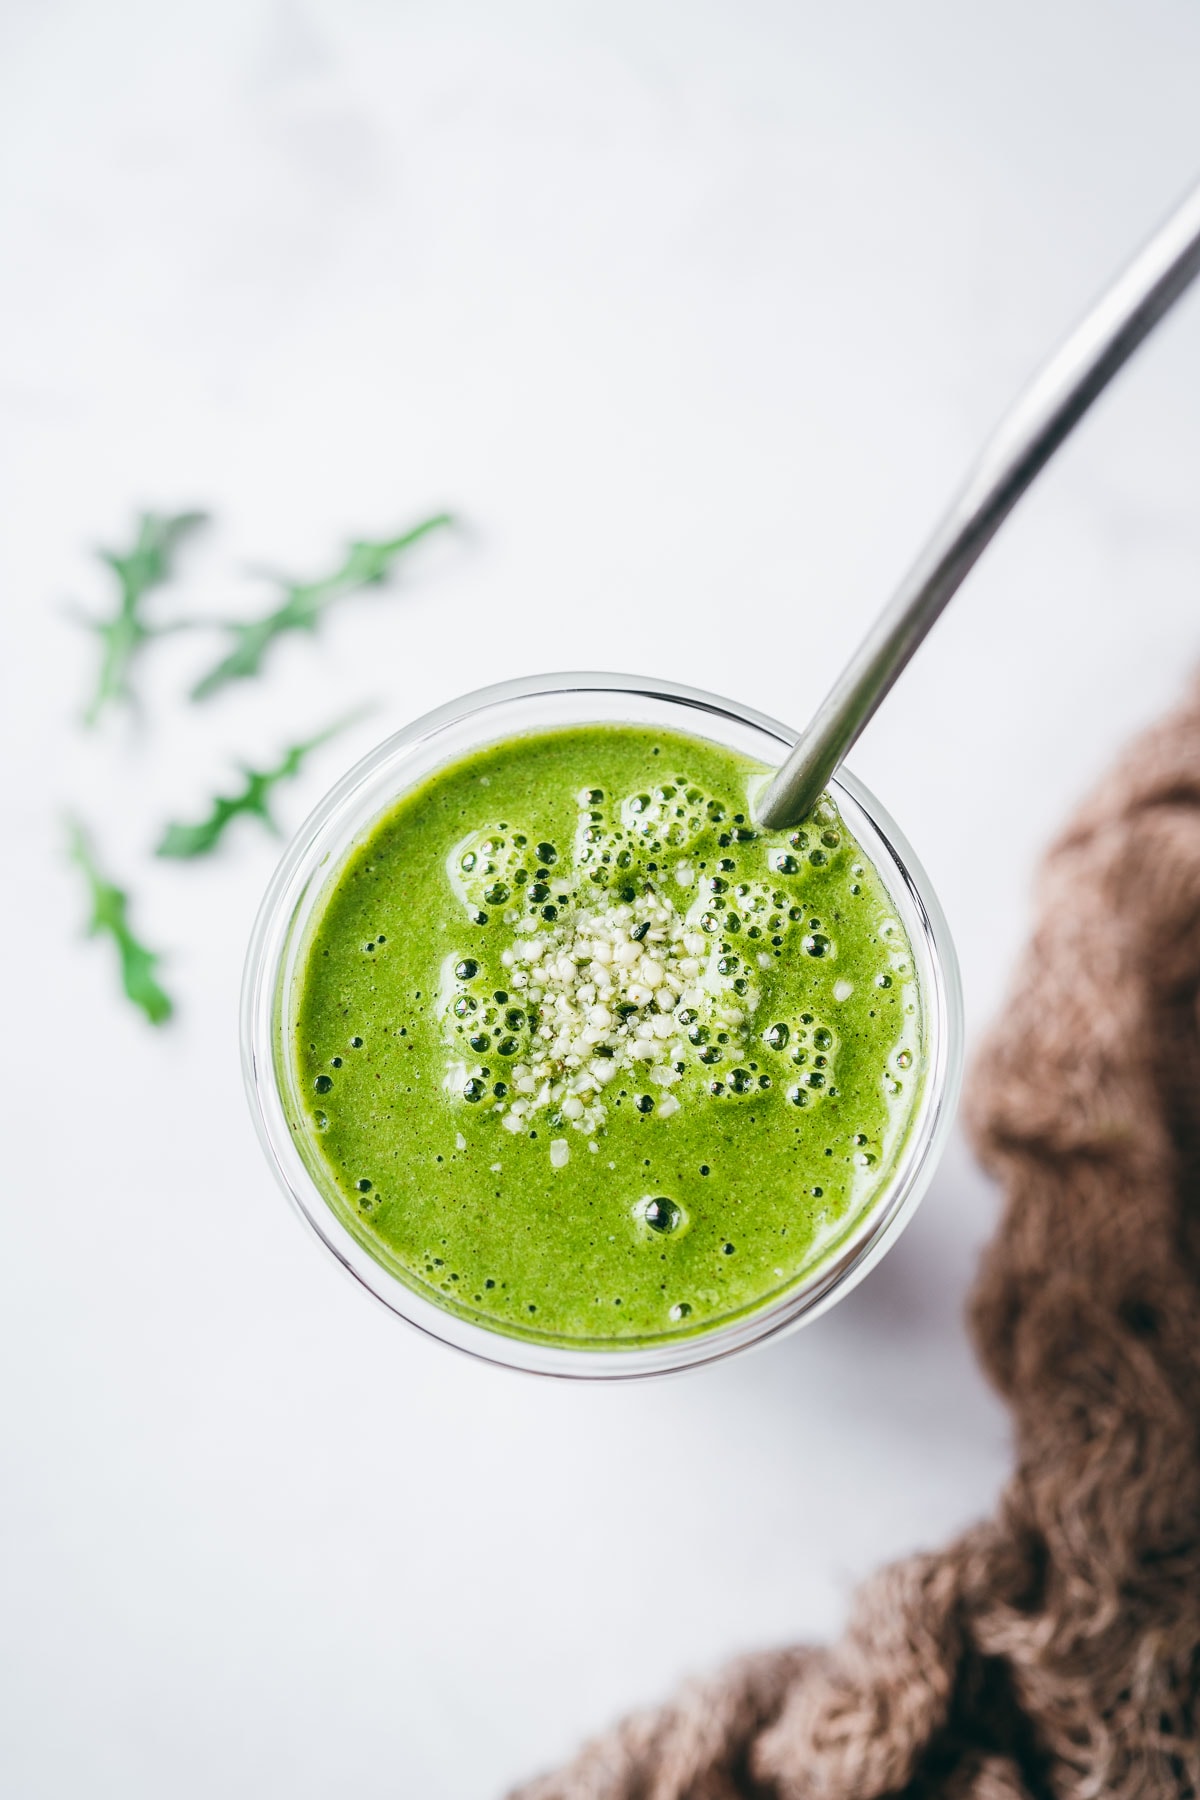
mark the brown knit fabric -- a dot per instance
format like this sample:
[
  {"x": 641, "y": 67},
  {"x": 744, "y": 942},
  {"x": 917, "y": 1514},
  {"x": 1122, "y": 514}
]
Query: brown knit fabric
[{"x": 1055, "y": 1650}]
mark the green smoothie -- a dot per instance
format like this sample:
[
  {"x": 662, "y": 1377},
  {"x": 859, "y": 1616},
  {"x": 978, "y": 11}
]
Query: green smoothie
[{"x": 582, "y": 1055}]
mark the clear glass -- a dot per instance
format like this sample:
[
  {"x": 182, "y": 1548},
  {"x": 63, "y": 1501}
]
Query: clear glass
[{"x": 347, "y": 814}]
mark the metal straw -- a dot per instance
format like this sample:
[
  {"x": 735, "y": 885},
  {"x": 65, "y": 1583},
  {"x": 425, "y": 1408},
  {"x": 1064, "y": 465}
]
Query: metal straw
[{"x": 1018, "y": 450}]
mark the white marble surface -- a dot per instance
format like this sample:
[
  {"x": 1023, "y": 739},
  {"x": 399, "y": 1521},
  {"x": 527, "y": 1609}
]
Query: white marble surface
[{"x": 695, "y": 310}]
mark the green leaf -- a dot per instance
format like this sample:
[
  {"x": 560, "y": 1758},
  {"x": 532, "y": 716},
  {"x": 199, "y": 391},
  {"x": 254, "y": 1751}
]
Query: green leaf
[
  {"x": 146, "y": 566},
  {"x": 304, "y": 604},
  {"x": 253, "y": 800},
  {"x": 110, "y": 914}
]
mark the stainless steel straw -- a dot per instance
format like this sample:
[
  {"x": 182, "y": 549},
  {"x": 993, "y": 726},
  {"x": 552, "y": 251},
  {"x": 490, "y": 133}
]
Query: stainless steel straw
[{"x": 1018, "y": 450}]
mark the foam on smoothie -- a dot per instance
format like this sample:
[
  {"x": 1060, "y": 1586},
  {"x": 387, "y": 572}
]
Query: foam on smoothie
[{"x": 584, "y": 1055}]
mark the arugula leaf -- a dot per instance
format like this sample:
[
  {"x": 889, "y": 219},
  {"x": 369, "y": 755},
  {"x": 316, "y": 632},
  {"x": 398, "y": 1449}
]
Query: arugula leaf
[
  {"x": 110, "y": 908},
  {"x": 253, "y": 800},
  {"x": 304, "y": 604},
  {"x": 139, "y": 570}
]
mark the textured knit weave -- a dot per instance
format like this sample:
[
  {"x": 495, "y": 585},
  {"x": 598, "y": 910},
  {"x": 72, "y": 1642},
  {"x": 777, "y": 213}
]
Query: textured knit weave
[{"x": 1054, "y": 1650}]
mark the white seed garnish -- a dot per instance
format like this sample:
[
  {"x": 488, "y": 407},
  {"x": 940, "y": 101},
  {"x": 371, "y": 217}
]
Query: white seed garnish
[{"x": 603, "y": 987}]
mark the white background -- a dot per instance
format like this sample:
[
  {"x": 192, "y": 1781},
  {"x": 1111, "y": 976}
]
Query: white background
[{"x": 695, "y": 309}]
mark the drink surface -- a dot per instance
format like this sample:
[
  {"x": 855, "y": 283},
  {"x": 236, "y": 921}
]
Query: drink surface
[{"x": 580, "y": 1054}]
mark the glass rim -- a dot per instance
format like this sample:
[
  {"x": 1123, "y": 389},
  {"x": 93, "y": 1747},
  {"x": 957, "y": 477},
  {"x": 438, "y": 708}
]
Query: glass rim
[{"x": 319, "y": 849}]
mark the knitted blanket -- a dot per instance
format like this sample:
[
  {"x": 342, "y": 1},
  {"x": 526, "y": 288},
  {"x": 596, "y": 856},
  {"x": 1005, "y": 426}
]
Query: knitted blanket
[{"x": 1055, "y": 1649}]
